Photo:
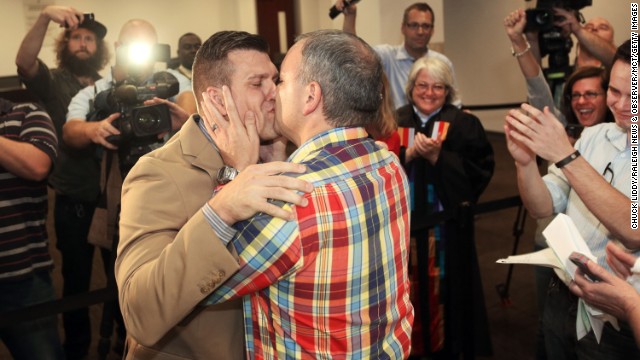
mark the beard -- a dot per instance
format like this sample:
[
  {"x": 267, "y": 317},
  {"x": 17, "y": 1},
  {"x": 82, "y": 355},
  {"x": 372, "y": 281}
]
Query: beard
[{"x": 80, "y": 67}]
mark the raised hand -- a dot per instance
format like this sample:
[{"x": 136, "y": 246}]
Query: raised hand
[
  {"x": 66, "y": 16},
  {"x": 514, "y": 24}
]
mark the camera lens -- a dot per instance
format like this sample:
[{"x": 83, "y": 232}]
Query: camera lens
[
  {"x": 148, "y": 121},
  {"x": 543, "y": 18}
]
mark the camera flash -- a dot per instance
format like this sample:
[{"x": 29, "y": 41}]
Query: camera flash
[{"x": 139, "y": 53}]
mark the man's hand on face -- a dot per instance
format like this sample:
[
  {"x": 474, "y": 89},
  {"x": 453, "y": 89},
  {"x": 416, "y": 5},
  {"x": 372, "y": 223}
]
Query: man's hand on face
[
  {"x": 250, "y": 191},
  {"x": 237, "y": 141}
]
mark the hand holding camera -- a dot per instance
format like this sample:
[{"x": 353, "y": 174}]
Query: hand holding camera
[{"x": 340, "y": 7}]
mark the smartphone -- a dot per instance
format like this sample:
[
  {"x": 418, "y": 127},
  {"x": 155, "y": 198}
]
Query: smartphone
[{"x": 581, "y": 261}]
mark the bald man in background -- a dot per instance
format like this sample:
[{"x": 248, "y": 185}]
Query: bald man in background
[{"x": 84, "y": 133}]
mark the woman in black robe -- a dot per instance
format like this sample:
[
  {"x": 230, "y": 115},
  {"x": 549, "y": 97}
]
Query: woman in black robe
[{"x": 449, "y": 163}]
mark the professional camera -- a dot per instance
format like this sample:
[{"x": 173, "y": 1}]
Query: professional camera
[
  {"x": 139, "y": 124},
  {"x": 541, "y": 17},
  {"x": 551, "y": 39}
]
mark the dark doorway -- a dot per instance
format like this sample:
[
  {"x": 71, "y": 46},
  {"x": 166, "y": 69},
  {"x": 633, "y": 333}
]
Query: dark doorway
[{"x": 275, "y": 21}]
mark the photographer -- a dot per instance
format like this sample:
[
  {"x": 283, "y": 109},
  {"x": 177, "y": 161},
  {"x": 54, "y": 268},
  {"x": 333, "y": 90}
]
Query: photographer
[
  {"x": 595, "y": 39},
  {"x": 80, "y": 52},
  {"x": 90, "y": 136},
  {"x": 81, "y": 133},
  {"x": 579, "y": 107}
]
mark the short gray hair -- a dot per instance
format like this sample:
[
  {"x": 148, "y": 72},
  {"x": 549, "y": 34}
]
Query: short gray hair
[
  {"x": 439, "y": 70},
  {"x": 349, "y": 73}
]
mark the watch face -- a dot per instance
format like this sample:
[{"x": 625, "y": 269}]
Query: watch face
[{"x": 226, "y": 174}]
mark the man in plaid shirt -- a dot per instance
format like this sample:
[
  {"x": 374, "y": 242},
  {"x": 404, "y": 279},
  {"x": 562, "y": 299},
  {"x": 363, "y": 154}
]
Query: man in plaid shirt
[{"x": 332, "y": 281}]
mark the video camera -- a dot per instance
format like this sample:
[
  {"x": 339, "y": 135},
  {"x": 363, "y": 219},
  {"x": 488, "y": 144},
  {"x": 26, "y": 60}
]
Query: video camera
[
  {"x": 550, "y": 37},
  {"x": 139, "y": 124},
  {"x": 541, "y": 17}
]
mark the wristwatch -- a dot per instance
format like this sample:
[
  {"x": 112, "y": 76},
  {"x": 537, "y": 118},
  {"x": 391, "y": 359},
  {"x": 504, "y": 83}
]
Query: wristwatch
[{"x": 226, "y": 174}]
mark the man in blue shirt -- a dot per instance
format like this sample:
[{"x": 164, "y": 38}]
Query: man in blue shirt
[{"x": 417, "y": 29}]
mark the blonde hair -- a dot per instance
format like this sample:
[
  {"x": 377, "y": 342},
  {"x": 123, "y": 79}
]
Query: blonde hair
[{"x": 437, "y": 69}]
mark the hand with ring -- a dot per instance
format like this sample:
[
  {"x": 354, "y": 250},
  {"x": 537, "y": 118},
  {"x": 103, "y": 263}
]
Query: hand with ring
[{"x": 237, "y": 141}]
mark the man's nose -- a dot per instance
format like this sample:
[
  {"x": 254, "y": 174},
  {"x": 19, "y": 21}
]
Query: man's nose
[{"x": 271, "y": 92}]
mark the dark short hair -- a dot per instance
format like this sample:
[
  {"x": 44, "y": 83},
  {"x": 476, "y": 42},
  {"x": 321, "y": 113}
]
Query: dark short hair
[
  {"x": 185, "y": 35},
  {"x": 211, "y": 66},
  {"x": 349, "y": 73},
  {"x": 584, "y": 72},
  {"x": 421, "y": 6},
  {"x": 624, "y": 52}
]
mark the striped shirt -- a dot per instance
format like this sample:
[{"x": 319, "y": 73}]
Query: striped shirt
[
  {"x": 333, "y": 283},
  {"x": 23, "y": 203}
]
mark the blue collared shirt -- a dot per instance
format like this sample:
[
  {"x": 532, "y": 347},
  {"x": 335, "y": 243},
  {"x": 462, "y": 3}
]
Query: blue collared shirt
[
  {"x": 397, "y": 63},
  {"x": 224, "y": 231},
  {"x": 601, "y": 146}
]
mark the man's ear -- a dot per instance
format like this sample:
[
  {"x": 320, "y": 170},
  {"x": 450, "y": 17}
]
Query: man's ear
[
  {"x": 215, "y": 95},
  {"x": 313, "y": 92}
]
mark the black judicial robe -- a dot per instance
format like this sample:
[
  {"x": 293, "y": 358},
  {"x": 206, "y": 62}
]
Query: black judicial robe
[{"x": 462, "y": 172}]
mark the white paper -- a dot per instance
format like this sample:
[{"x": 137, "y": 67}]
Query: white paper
[
  {"x": 563, "y": 238},
  {"x": 545, "y": 257}
]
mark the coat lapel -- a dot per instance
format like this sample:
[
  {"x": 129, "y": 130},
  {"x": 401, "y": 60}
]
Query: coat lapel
[{"x": 198, "y": 149}]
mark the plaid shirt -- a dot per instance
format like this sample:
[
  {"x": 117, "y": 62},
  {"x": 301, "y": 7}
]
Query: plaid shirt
[{"x": 333, "y": 283}]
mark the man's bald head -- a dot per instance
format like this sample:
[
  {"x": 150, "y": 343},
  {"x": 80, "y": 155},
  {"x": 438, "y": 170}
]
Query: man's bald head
[
  {"x": 600, "y": 27},
  {"x": 137, "y": 30}
]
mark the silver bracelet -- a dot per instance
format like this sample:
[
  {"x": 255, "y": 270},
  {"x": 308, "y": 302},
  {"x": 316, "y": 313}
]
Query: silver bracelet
[{"x": 518, "y": 54}]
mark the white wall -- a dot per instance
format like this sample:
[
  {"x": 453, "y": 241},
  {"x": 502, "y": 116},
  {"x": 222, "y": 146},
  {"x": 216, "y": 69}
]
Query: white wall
[
  {"x": 379, "y": 20},
  {"x": 480, "y": 51}
]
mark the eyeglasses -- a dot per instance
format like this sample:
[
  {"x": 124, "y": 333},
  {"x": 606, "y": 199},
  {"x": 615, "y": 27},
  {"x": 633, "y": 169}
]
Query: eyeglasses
[
  {"x": 436, "y": 88},
  {"x": 415, "y": 26},
  {"x": 589, "y": 95},
  {"x": 608, "y": 170}
]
